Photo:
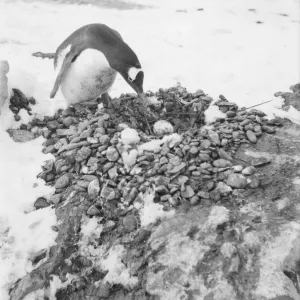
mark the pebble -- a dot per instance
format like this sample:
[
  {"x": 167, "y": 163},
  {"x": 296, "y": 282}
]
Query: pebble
[
  {"x": 93, "y": 189},
  {"x": 249, "y": 170},
  {"x": 237, "y": 168},
  {"x": 188, "y": 193},
  {"x": 222, "y": 163},
  {"x": 195, "y": 200},
  {"x": 62, "y": 181},
  {"x": 108, "y": 193},
  {"x": 83, "y": 154},
  {"x": 55, "y": 199},
  {"x": 260, "y": 161},
  {"x": 40, "y": 203},
  {"x": 251, "y": 136},
  {"x": 22, "y": 136},
  {"x": 93, "y": 211},
  {"x": 223, "y": 188},
  {"x": 237, "y": 181},
  {"x": 129, "y": 223},
  {"x": 112, "y": 154},
  {"x": 113, "y": 173},
  {"x": 205, "y": 144},
  {"x": 176, "y": 169},
  {"x": 214, "y": 136},
  {"x": 223, "y": 154},
  {"x": 203, "y": 194}
]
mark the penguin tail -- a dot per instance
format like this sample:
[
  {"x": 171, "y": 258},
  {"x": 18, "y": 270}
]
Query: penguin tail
[{"x": 44, "y": 55}]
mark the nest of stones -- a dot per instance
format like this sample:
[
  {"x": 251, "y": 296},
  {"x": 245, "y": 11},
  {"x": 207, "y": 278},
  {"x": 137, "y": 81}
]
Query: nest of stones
[{"x": 85, "y": 142}]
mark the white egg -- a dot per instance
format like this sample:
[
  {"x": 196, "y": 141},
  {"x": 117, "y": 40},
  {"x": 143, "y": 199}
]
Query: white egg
[{"x": 163, "y": 127}]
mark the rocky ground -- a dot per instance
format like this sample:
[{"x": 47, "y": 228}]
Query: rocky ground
[{"x": 226, "y": 194}]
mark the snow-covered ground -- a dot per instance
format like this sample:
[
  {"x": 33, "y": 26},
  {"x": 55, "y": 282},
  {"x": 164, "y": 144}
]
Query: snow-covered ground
[{"x": 221, "y": 49}]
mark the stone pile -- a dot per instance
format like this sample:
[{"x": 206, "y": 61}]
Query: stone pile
[{"x": 200, "y": 167}]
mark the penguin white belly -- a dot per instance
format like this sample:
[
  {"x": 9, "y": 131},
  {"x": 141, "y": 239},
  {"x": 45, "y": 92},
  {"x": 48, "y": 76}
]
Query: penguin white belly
[{"x": 89, "y": 76}]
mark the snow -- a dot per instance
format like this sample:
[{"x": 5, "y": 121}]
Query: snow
[
  {"x": 129, "y": 158},
  {"x": 221, "y": 50},
  {"x": 155, "y": 144},
  {"x": 150, "y": 212},
  {"x": 129, "y": 136},
  {"x": 212, "y": 114},
  {"x": 117, "y": 271},
  {"x": 22, "y": 230},
  {"x": 218, "y": 215}
]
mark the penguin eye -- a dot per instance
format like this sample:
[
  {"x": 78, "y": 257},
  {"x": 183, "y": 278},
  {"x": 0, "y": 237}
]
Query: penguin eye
[{"x": 129, "y": 78}]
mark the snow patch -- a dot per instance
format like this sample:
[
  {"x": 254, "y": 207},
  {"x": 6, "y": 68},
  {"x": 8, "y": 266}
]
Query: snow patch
[
  {"x": 129, "y": 136},
  {"x": 154, "y": 145},
  {"x": 129, "y": 158},
  {"x": 151, "y": 211},
  {"x": 218, "y": 215},
  {"x": 213, "y": 113},
  {"x": 117, "y": 271}
]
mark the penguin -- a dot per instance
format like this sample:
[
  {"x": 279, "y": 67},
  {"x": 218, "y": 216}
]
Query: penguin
[{"x": 88, "y": 61}]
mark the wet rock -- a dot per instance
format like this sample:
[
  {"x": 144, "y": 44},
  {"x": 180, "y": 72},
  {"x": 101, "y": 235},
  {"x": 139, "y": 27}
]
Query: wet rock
[
  {"x": 176, "y": 169},
  {"x": 237, "y": 181},
  {"x": 22, "y": 136},
  {"x": 107, "y": 193},
  {"x": 260, "y": 161},
  {"x": 203, "y": 194},
  {"x": 40, "y": 203},
  {"x": 223, "y": 154},
  {"x": 93, "y": 189},
  {"x": 62, "y": 181},
  {"x": 52, "y": 125},
  {"x": 214, "y": 136},
  {"x": 129, "y": 223},
  {"x": 249, "y": 170},
  {"x": 83, "y": 154},
  {"x": 205, "y": 144},
  {"x": 222, "y": 163},
  {"x": 55, "y": 199},
  {"x": 195, "y": 200},
  {"x": 188, "y": 192},
  {"x": 113, "y": 173},
  {"x": 237, "y": 168},
  {"x": 223, "y": 188},
  {"x": 112, "y": 154},
  {"x": 93, "y": 211},
  {"x": 215, "y": 195},
  {"x": 251, "y": 136}
]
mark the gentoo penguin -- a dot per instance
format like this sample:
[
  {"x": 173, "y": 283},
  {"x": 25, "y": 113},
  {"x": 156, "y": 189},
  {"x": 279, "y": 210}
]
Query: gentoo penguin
[{"x": 88, "y": 61}]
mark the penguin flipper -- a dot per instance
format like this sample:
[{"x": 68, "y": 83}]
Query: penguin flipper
[{"x": 69, "y": 58}]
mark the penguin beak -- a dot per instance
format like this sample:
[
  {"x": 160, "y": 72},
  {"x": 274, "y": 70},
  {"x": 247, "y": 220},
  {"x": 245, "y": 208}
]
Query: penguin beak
[{"x": 137, "y": 84}]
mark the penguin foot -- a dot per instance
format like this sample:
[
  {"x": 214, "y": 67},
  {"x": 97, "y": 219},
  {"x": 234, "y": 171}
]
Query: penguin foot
[{"x": 106, "y": 100}]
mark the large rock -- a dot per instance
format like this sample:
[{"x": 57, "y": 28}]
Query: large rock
[
  {"x": 22, "y": 136},
  {"x": 237, "y": 181}
]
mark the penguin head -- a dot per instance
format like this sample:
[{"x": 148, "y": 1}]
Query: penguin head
[{"x": 135, "y": 78}]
